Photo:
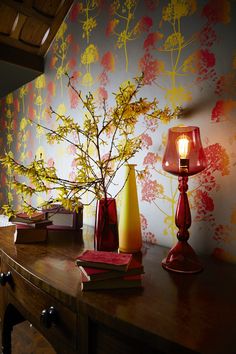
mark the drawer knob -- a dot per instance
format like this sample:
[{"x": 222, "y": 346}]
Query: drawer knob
[
  {"x": 48, "y": 317},
  {"x": 5, "y": 278}
]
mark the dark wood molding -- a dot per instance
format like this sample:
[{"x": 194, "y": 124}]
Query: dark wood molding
[
  {"x": 28, "y": 11},
  {"x": 21, "y": 58},
  {"x": 63, "y": 11},
  {"x": 27, "y": 30}
]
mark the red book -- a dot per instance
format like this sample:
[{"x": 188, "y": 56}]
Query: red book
[
  {"x": 125, "y": 282},
  {"x": 104, "y": 260},
  {"x": 94, "y": 274}
]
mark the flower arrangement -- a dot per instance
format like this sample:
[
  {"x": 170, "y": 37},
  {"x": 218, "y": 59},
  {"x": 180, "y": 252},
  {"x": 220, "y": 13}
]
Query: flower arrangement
[{"x": 103, "y": 142}]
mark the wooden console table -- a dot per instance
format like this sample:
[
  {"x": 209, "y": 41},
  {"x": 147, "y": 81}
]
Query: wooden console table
[{"x": 173, "y": 313}]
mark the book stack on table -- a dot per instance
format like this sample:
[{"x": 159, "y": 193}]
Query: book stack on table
[
  {"x": 109, "y": 270},
  {"x": 30, "y": 229}
]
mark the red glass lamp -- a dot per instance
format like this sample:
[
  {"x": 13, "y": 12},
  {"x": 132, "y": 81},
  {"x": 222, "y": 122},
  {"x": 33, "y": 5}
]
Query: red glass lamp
[{"x": 184, "y": 156}]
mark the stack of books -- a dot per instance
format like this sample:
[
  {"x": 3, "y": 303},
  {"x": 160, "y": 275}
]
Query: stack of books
[
  {"x": 109, "y": 270},
  {"x": 30, "y": 229}
]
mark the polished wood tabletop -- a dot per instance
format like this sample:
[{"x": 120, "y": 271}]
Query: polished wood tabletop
[{"x": 173, "y": 313}]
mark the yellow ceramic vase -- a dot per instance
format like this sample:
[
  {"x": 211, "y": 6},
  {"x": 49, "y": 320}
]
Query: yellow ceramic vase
[{"x": 130, "y": 236}]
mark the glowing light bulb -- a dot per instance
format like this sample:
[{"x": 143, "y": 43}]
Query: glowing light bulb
[{"x": 183, "y": 145}]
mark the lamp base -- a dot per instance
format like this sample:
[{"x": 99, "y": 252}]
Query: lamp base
[{"x": 182, "y": 259}]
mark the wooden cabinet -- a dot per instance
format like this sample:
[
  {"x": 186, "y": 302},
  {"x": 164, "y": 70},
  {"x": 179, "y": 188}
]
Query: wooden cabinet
[
  {"x": 54, "y": 320},
  {"x": 172, "y": 313}
]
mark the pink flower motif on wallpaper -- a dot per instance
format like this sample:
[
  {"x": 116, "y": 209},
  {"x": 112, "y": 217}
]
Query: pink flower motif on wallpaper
[
  {"x": 222, "y": 233},
  {"x": 223, "y": 110},
  {"x": 53, "y": 62},
  {"x": 103, "y": 78},
  {"x": 144, "y": 223},
  {"x": 206, "y": 64},
  {"x": 72, "y": 63},
  {"x": 144, "y": 24},
  {"x": 146, "y": 141},
  {"x": 147, "y": 235},
  {"x": 217, "y": 11},
  {"x": 225, "y": 85},
  {"x": 151, "y": 159},
  {"x": 150, "y": 67},
  {"x": 31, "y": 112},
  {"x": 111, "y": 25},
  {"x": 203, "y": 203},
  {"x": 108, "y": 61},
  {"x": 151, "y": 4},
  {"x": 207, "y": 36},
  {"x": 151, "y": 40},
  {"x": 74, "y": 12},
  {"x": 51, "y": 90},
  {"x": 218, "y": 159},
  {"x": 50, "y": 162},
  {"x": 102, "y": 95},
  {"x": 51, "y": 87},
  {"x": 74, "y": 99},
  {"x": 151, "y": 190}
]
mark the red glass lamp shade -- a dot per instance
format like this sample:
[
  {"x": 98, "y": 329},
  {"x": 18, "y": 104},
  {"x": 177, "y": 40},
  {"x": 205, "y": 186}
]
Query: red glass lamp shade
[
  {"x": 184, "y": 143},
  {"x": 184, "y": 156}
]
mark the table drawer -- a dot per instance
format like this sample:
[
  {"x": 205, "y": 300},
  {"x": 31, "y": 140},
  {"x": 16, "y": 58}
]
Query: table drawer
[{"x": 32, "y": 302}]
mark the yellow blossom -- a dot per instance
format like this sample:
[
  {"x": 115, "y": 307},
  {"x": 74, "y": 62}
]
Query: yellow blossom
[
  {"x": 38, "y": 101},
  {"x": 178, "y": 95},
  {"x": 61, "y": 31},
  {"x": 40, "y": 82},
  {"x": 90, "y": 55},
  {"x": 9, "y": 98},
  {"x": 23, "y": 123},
  {"x": 87, "y": 79}
]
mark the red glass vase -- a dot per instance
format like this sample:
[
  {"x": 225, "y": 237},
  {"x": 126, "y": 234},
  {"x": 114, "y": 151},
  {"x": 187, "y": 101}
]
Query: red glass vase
[{"x": 106, "y": 225}]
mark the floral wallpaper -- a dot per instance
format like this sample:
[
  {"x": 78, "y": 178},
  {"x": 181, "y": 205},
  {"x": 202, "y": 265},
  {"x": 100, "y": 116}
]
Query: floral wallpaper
[{"x": 187, "y": 52}]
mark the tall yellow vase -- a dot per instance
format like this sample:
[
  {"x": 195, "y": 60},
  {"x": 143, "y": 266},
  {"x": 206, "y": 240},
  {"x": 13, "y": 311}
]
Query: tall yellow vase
[{"x": 130, "y": 236}]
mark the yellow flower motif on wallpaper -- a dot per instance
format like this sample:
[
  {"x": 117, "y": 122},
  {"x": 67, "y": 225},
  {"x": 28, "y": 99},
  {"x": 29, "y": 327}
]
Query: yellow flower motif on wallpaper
[
  {"x": 174, "y": 45},
  {"x": 23, "y": 123},
  {"x": 178, "y": 95},
  {"x": 88, "y": 57},
  {"x": 87, "y": 79},
  {"x": 191, "y": 63},
  {"x": 40, "y": 82},
  {"x": 177, "y": 9},
  {"x": 9, "y": 113},
  {"x": 9, "y": 98},
  {"x": 88, "y": 26},
  {"x": 38, "y": 101},
  {"x": 174, "y": 41},
  {"x": 61, "y": 109},
  {"x": 23, "y": 91},
  {"x": 40, "y": 132},
  {"x": 61, "y": 31},
  {"x": 124, "y": 16},
  {"x": 60, "y": 72},
  {"x": 87, "y": 8},
  {"x": 23, "y": 156},
  {"x": 9, "y": 138}
]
